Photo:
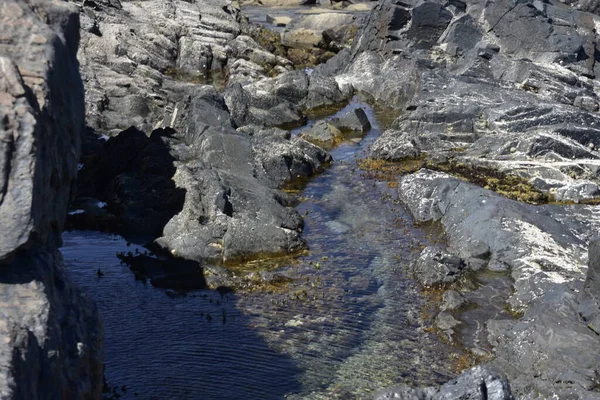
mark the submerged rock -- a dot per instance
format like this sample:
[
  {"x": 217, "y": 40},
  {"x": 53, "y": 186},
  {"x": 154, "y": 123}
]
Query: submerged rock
[
  {"x": 452, "y": 300},
  {"x": 436, "y": 267},
  {"x": 321, "y": 132}
]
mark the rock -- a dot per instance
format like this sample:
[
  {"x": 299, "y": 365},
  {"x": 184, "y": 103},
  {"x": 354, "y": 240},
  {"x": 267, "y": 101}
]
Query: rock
[
  {"x": 497, "y": 266},
  {"x": 339, "y": 37},
  {"x": 394, "y": 146},
  {"x": 233, "y": 209},
  {"x": 522, "y": 243},
  {"x": 322, "y": 22},
  {"x": 51, "y": 335},
  {"x": 587, "y": 103},
  {"x": 476, "y": 264},
  {"x": 435, "y": 267},
  {"x": 578, "y": 191},
  {"x": 249, "y": 106},
  {"x": 462, "y": 35},
  {"x": 446, "y": 323},
  {"x": 302, "y": 38},
  {"x": 479, "y": 382},
  {"x": 429, "y": 20},
  {"x": 140, "y": 61},
  {"x": 246, "y": 48},
  {"x": 324, "y": 91},
  {"x": 220, "y": 185},
  {"x": 497, "y": 328},
  {"x": 280, "y": 158},
  {"x": 508, "y": 87},
  {"x": 354, "y": 120},
  {"x": 272, "y": 3},
  {"x": 359, "y": 7},
  {"x": 589, "y": 307},
  {"x": 452, "y": 300},
  {"x": 392, "y": 82},
  {"x": 321, "y": 132},
  {"x": 528, "y": 239}
]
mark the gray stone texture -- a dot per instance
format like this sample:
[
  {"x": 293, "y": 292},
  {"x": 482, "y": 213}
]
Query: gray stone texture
[{"x": 50, "y": 334}]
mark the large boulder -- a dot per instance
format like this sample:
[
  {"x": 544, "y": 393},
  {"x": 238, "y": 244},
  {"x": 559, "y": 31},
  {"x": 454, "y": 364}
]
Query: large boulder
[
  {"x": 233, "y": 209},
  {"x": 50, "y": 334}
]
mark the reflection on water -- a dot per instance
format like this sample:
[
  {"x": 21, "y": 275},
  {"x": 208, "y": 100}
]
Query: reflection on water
[{"x": 347, "y": 325}]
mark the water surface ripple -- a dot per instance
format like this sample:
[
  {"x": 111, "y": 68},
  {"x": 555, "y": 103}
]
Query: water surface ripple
[{"x": 346, "y": 326}]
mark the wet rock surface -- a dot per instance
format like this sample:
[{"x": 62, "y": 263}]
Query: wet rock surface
[
  {"x": 546, "y": 258},
  {"x": 501, "y": 89},
  {"x": 435, "y": 267},
  {"x": 50, "y": 333},
  {"x": 477, "y": 383}
]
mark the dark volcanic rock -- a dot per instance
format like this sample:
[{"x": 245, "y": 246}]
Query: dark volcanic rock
[
  {"x": 205, "y": 189},
  {"x": 50, "y": 334},
  {"x": 506, "y": 86},
  {"x": 452, "y": 300},
  {"x": 541, "y": 247},
  {"x": 250, "y": 105},
  {"x": 139, "y": 60},
  {"x": 233, "y": 209},
  {"x": 54, "y": 343},
  {"x": 479, "y": 383},
  {"x": 429, "y": 20}
]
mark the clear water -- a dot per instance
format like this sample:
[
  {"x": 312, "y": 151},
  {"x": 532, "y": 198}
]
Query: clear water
[{"x": 346, "y": 326}]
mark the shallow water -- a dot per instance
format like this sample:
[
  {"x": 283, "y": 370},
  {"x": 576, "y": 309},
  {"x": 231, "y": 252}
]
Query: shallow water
[{"x": 346, "y": 326}]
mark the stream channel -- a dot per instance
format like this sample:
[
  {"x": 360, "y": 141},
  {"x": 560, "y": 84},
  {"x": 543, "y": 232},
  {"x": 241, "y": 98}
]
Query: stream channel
[{"x": 347, "y": 324}]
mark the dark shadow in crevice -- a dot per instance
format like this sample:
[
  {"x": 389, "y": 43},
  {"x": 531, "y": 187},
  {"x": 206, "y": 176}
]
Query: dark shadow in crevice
[{"x": 125, "y": 185}]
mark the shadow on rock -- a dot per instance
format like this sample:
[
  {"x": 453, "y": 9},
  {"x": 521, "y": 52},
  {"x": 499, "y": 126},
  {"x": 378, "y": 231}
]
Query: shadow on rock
[{"x": 125, "y": 185}]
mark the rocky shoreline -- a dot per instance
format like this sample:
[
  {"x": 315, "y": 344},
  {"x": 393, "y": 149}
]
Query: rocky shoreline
[{"x": 185, "y": 145}]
